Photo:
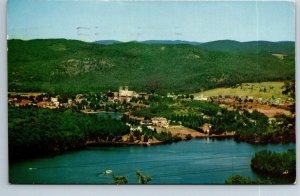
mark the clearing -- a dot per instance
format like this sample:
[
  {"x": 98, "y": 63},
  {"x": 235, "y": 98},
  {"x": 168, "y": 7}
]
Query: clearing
[{"x": 264, "y": 90}]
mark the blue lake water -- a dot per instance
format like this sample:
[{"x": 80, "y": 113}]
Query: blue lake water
[
  {"x": 111, "y": 115},
  {"x": 201, "y": 161}
]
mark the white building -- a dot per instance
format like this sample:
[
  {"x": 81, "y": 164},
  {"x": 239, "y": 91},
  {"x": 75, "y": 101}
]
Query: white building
[{"x": 160, "y": 122}]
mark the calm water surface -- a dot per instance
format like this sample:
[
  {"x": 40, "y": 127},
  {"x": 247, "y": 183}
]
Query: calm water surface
[
  {"x": 112, "y": 115},
  {"x": 202, "y": 161}
]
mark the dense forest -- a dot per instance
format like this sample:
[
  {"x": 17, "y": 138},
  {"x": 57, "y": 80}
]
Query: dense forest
[
  {"x": 58, "y": 65},
  {"x": 275, "y": 164},
  {"x": 268, "y": 165},
  {"x": 34, "y": 131}
]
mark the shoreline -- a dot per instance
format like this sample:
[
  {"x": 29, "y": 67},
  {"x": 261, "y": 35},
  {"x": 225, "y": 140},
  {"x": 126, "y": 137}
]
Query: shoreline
[
  {"x": 124, "y": 144},
  {"x": 118, "y": 144},
  {"x": 140, "y": 143}
]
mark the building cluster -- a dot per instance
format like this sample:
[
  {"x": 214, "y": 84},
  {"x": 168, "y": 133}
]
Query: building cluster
[
  {"x": 150, "y": 124},
  {"x": 245, "y": 99},
  {"x": 125, "y": 95},
  {"x": 39, "y": 101}
]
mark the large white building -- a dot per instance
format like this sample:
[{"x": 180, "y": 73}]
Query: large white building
[{"x": 125, "y": 94}]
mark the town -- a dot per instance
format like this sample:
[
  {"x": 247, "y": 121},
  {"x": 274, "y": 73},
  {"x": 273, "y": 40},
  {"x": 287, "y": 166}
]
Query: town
[
  {"x": 126, "y": 100},
  {"x": 129, "y": 106}
]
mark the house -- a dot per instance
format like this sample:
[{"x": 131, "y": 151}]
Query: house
[
  {"x": 146, "y": 122},
  {"x": 23, "y": 102},
  {"x": 54, "y": 102},
  {"x": 206, "y": 128},
  {"x": 70, "y": 101},
  {"x": 143, "y": 95},
  {"x": 135, "y": 128},
  {"x": 200, "y": 98},
  {"x": 79, "y": 98},
  {"x": 12, "y": 101},
  {"x": 160, "y": 122},
  {"x": 42, "y": 104},
  {"x": 174, "y": 97}
]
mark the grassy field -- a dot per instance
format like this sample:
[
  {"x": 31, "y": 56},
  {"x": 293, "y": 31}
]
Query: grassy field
[{"x": 263, "y": 90}]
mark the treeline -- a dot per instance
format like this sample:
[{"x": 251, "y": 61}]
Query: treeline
[
  {"x": 33, "y": 132},
  {"x": 191, "y": 121},
  {"x": 146, "y": 134},
  {"x": 275, "y": 164},
  {"x": 269, "y": 164},
  {"x": 279, "y": 130},
  {"x": 243, "y": 180},
  {"x": 162, "y": 136}
]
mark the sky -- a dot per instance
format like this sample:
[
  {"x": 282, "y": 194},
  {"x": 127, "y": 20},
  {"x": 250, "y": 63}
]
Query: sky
[{"x": 202, "y": 21}]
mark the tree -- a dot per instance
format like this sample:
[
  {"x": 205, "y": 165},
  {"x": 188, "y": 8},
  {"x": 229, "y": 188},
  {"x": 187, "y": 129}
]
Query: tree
[
  {"x": 142, "y": 179},
  {"x": 192, "y": 97},
  {"x": 275, "y": 164},
  {"x": 237, "y": 179},
  {"x": 120, "y": 180},
  {"x": 289, "y": 88}
]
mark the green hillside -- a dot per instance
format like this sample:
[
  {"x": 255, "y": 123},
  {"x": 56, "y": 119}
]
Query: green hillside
[
  {"x": 58, "y": 65},
  {"x": 285, "y": 47}
]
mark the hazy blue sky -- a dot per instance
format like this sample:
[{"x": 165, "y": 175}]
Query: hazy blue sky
[{"x": 125, "y": 21}]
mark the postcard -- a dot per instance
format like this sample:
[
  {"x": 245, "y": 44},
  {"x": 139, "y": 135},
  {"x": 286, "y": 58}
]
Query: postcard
[{"x": 151, "y": 92}]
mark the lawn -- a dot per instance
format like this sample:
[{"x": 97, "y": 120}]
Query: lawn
[{"x": 263, "y": 90}]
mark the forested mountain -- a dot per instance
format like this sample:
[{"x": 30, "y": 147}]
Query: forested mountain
[
  {"x": 59, "y": 65},
  {"x": 285, "y": 47},
  {"x": 170, "y": 42},
  {"x": 107, "y": 42}
]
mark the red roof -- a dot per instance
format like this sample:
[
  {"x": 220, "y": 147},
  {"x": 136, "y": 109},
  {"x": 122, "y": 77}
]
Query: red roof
[
  {"x": 42, "y": 103},
  {"x": 24, "y": 102}
]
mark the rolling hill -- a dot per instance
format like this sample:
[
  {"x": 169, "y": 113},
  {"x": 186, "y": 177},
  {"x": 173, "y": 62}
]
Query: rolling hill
[
  {"x": 171, "y": 42},
  {"x": 59, "y": 65},
  {"x": 232, "y": 46}
]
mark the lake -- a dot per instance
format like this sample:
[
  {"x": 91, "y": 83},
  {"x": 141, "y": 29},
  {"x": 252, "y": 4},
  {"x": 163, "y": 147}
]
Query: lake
[
  {"x": 112, "y": 115},
  {"x": 198, "y": 161}
]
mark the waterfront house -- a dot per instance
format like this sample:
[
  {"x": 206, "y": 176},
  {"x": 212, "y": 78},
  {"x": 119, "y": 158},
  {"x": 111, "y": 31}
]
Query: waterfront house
[
  {"x": 206, "y": 128},
  {"x": 160, "y": 122}
]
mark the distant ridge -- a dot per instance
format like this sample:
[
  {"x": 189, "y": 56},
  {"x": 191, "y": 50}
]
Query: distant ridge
[
  {"x": 251, "y": 46},
  {"x": 171, "y": 42},
  {"x": 109, "y": 42},
  {"x": 231, "y": 46}
]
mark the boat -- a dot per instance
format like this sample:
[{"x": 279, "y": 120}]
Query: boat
[{"x": 108, "y": 171}]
